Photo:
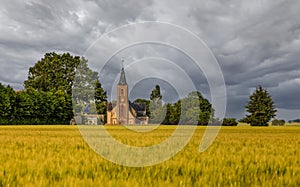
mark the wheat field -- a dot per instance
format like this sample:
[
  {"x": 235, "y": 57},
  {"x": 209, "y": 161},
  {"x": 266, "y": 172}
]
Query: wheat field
[{"x": 240, "y": 156}]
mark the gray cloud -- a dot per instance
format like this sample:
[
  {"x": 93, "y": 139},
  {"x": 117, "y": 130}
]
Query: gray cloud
[{"x": 255, "y": 42}]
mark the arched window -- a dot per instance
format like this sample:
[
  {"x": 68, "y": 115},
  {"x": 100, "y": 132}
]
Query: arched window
[{"x": 122, "y": 92}]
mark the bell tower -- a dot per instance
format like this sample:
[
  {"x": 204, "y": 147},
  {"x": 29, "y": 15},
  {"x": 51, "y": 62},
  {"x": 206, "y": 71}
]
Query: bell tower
[{"x": 122, "y": 98}]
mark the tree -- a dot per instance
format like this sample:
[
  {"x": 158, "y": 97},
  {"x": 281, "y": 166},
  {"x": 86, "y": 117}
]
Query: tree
[
  {"x": 168, "y": 114},
  {"x": 100, "y": 101},
  {"x": 87, "y": 91},
  {"x": 261, "y": 108},
  {"x": 53, "y": 72},
  {"x": 190, "y": 109},
  {"x": 206, "y": 110},
  {"x": 173, "y": 112},
  {"x": 157, "y": 111},
  {"x": 84, "y": 84},
  {"x": 196, "y": 109},
  {"x": 155, "y": 94},
  {"x": 68, "y": 78},
  {"x": 100, "y": 98}
]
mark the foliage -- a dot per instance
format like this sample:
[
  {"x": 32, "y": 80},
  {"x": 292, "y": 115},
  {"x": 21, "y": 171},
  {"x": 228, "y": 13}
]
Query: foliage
[
  {"x": 244, "y": 120},
  {"x": 47, "y": 98},
  {"x": 190, "y": 110},
  {"x": 206, "y": 110},
  {"x": 84, "y": 84},
  {"x": 155, "y": 94},
  {"x": 240, "y": 156},
  {"x": 87, "y": 92},
  {"x": 173, "y": 112},
  {"x": 101, "y": 104},
  {"x": 7, "y": 100},
  {"x": 260, "y": 108},
  {"x": 229, "y": 122},
  {"x": 100, "y": 98},
  {"x": 36, "y": 107},
  {"x": 278, "y": 122},
  {"x": 196, "y": 109},
  {"x": 157, "y": 110},
  {"x": 53, "y": 72}
]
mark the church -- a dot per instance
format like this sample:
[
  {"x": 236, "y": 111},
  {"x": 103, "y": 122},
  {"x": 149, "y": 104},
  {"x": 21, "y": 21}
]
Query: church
[{"x": 122, "y": 111}]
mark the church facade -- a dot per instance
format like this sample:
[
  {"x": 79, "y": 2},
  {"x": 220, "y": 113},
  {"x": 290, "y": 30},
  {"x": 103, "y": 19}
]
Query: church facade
[{"x": 122, "y": 111}]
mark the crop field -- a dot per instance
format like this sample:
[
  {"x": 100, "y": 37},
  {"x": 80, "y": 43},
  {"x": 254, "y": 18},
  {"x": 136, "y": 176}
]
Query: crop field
[{"x": 240, "y": 156}]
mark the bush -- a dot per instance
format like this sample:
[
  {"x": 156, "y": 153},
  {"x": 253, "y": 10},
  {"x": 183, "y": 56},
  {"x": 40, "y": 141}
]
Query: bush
[
  {"x": 277, "y": 122},
  {"x": 294, "y": 121},
  {"x": 229, "y": 122}
]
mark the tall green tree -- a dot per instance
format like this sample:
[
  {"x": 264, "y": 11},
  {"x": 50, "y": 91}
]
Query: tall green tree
[
  {"x": 155, "y": 94},
  {"x": 157, "y": 111},
  {"x": 196, "y": 109},
  {"x": 100, "y": 98},
  {"x": 70, "y": 83},
  {"x": 53, "y": 72},
  {"x": 261, "y": 108}
]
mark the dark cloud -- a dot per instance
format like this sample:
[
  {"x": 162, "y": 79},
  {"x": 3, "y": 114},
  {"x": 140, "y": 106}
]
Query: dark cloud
[{"x": 255, "y": 42}]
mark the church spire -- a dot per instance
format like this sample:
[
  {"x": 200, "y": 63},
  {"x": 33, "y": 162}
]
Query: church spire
[{"x": 122, "y": 80}]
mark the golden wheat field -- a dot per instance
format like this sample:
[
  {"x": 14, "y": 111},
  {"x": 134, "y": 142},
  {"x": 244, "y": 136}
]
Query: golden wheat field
[{"x": 240, "y": 156}]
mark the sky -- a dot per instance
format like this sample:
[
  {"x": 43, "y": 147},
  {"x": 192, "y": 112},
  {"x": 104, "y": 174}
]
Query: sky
[{"x": 254, "y": 42}]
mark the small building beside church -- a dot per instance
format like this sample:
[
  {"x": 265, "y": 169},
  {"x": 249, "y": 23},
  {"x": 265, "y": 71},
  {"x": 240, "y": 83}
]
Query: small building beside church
[{"x": 122, "y": 111}]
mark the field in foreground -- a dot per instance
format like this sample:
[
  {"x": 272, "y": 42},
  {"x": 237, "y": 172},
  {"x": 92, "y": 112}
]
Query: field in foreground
[{"x": 240, "y": 156}]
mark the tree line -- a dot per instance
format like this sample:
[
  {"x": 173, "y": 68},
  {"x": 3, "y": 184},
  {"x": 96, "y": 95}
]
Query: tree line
[
  {"x": 48, "y": 94},
  {"x": 60, "y": 85},
  {"x": 194, "y": 109},
  {"x": 34, "y": 107}
]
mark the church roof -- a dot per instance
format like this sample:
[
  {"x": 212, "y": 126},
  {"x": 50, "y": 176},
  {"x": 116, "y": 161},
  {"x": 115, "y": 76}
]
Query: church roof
[
  {"x": 140, "y": 108},
  {"x": 122, "y": 80}
]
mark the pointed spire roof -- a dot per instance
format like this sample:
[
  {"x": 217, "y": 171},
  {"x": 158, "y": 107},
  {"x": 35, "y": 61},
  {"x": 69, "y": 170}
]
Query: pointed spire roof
[{"x": 122, "y": 80}]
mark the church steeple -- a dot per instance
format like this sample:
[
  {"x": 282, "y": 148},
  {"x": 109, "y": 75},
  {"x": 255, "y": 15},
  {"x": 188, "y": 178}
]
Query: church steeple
[
  {"x": 122, "y": 98},
  {"x": 122, "y": 80},
  {"x": 124, "y": 112}
]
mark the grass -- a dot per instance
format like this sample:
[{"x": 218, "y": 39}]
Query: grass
[{"x": 240, "y": 156}]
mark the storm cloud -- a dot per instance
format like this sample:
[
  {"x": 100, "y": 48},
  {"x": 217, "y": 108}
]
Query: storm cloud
[{"x": 255, "y": 42}]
